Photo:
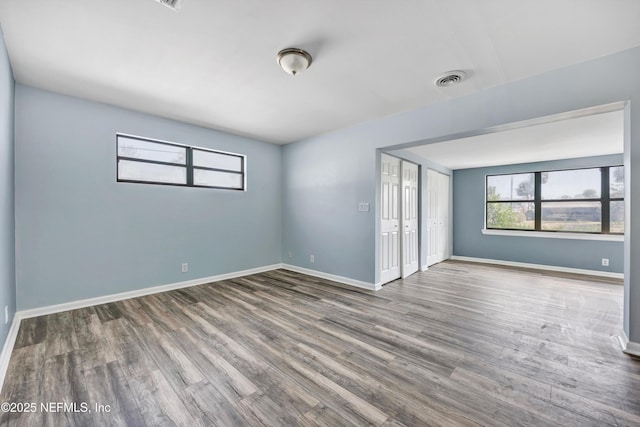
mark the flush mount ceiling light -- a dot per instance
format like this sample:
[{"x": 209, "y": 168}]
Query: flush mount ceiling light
[
  {"x": 450, "y": 78},
  {"x": 293, "y": 60}
]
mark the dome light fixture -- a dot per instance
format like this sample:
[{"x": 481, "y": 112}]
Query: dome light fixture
[{"x": 294, "y": 60}]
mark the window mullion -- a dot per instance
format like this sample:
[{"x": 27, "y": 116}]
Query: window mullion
[
  {"x": 605, "y": 202},
  {"x": 190, "y": 166},
  {"x": 537, "y": 202}
]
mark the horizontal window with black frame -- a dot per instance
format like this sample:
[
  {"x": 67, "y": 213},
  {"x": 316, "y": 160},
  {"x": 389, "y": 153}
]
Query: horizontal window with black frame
[
  {"x": 589, "y": 200},
  {"x": 142, "y": 160}
]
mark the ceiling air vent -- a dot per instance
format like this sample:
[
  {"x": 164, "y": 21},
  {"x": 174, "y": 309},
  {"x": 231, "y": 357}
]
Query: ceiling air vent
[
  {"x": 171, "y": 4},
  {"x": 450, "y": 78}
]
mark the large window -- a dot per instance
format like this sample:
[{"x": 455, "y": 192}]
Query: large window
[
  {"x": 157, "y": 162},
  {"x": 577, "y": 200}
]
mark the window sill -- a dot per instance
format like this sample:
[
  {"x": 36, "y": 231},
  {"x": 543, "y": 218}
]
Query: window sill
[{"x": 555, "y": 235}]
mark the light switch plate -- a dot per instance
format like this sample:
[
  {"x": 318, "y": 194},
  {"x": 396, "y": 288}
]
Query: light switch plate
[{"x": 363, "y": 207}]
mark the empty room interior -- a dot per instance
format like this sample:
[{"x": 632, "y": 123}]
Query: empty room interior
[{"x": 320, "y": 213}]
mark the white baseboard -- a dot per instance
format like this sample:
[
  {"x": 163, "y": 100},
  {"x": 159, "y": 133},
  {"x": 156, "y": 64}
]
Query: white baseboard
[
  {"x": 633, "y": 348},
  {"x": 41, "y": 311},
  {"x": 424, "y": 268},
  {"x": 540, "y": 267},
  {"x": 623, "y": 340},
  {"x": 629, "y": 347},
  {"x": 333, "y": 277},
  {"x": 7, "y": 349}
]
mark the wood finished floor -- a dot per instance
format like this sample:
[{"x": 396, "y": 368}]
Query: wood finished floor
[{"x": 461, "y": 344}]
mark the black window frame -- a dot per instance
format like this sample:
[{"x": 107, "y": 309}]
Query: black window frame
[
  {"x": 188, "y": 165},
  {"x": 604, "y": 200}
]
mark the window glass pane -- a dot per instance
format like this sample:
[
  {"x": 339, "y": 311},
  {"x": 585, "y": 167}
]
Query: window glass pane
[
  {"x": 139, "y": 149},
  {"x": 571, "y": 184},
  {"x": 511, "y": 215},
  {"x": 510, "y": 187},
  {"x": 208, "y": 159},
  {"x": 616, "y": 217},
  {"x": 151, "y": 172},
  {"x": 217, "y": 179},
  {"x": 572, "y": 216},
  {"x": 616, "y": 182}
]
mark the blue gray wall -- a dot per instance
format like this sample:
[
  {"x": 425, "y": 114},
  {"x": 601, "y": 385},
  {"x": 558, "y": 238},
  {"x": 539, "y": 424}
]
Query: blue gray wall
[
  {"x": 468, "y": 221},
  {"x": 326, "y": 176},
  {"x": 7, "y": 223},
  {"x": 324, "y": 180},
  {"x": 80, "y": 234}
]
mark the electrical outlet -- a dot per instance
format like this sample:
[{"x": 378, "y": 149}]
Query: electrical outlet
[
  {"x": 185, "y": 267},
  {"x": 605, "y": 262},
  {"x": 312, "y": 258},
  {"x": 290, "y": 254},
  {"x": 6, "y": 314}
]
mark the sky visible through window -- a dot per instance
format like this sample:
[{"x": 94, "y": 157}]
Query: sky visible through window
[{"x": 570, "y": 184}]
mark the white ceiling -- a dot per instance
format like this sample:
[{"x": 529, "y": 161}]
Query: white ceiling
[
  {"x": 213, "y": 63},
  {"x": 592, "y": 135}
]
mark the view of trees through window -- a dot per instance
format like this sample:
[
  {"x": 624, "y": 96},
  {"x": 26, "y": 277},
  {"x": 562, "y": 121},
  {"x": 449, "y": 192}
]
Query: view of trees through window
[
  {"x": 579, "y": 200},
  {"x": 514, "y": 197}
]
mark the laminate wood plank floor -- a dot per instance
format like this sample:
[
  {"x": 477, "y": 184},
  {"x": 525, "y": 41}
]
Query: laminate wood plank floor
[{"x": 459, "y": 345}]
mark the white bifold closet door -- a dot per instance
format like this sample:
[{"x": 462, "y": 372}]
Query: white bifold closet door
[
  {"x": 410, "y": 262},
  {"x": 399, "y": 218},
  {"x": 437, "y": 217},
  {"x": 390, "y": 218}
]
